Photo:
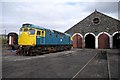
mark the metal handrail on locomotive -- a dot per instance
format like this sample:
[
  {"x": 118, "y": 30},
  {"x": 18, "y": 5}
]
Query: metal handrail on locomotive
[{"x": 34, "y": 40}]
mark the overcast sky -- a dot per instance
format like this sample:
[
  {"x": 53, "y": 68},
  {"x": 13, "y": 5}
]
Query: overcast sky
[{"x": 53, "y": 14}]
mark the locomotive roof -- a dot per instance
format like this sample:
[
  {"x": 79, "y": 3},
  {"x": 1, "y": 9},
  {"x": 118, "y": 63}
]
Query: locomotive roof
[
  {"x": 61, "y": 33},
  {"x": 33, "y": 26},
  {"x": 39, "y": 27}
]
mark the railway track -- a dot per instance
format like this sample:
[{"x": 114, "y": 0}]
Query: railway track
[
  {"x": 108, "y": 65},
  {"x": 101, "y": 55}
]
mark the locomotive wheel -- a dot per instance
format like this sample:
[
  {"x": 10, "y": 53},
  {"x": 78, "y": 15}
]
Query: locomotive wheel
[
  {"x": 27, "y": 51},
  {"x": 24, "y": 52},
  {"x": 20, "y": 51}
]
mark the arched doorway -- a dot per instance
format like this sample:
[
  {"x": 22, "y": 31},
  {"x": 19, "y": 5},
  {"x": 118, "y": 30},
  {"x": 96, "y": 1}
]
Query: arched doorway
[
  {"x": 77, "y": 41},
  {"x": 116, "y": 41},
  {"x": 90, "y": 41},
  {"x": 103, "y": 41}
]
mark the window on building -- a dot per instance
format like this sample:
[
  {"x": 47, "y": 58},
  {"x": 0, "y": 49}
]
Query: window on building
[{"x": 96, "y": 20}]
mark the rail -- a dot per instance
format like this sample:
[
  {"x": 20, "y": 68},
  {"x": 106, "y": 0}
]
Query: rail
[{"x": 83, "y": 66}]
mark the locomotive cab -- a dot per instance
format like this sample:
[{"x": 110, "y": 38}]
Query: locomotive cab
[
  {"x": 30, "y": 36},
  {"x": 26, "y": 36}
]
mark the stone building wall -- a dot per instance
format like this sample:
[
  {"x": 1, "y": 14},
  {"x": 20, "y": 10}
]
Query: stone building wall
[{"x": 96, "y": 24}]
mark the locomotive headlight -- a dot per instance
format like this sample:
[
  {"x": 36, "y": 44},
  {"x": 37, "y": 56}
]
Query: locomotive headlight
[
  {"x": 29, "y": 32},
  {"x": 71, "y": 38}
]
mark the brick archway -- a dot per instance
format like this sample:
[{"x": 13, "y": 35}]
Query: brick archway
[
  {"x": 77, "y": 41},
  {"x": 103, "y": 41},
  {"x": 90, "y": 41}
]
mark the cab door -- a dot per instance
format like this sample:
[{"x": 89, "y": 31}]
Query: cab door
[
  {"x": 40, "y": 37},
  {"x": 38, "y": 40}
]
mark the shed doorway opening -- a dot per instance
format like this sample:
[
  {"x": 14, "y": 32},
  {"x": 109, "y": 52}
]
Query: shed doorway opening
[
  {"x": 77, "y": 41},
  {"x": 89, "y": 41},
  {"x": 103, "y": 41},
  {"x": 116, "y": 41}
]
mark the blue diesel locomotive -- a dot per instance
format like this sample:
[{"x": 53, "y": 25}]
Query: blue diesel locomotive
[{"x": 34, "y": 40}]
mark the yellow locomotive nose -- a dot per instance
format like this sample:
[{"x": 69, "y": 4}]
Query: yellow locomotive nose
[{"x": 26, "y": 39}]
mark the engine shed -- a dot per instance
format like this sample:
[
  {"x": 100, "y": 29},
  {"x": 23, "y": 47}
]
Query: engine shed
[{"x": 97, "y": 31}]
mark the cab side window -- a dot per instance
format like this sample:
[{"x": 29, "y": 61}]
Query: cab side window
[
  {"x": 32, "y": 32},
  {"x": 42, "y": 33},
  {"x": 38, "y": 33},
  {"x": 50, "y": 33}
]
